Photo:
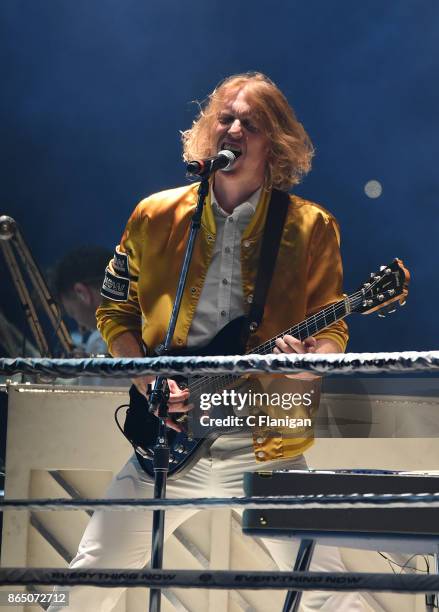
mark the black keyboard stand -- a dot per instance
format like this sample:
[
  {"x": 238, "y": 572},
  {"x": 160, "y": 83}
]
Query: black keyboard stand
[
  {"x": 432, "y": 599},
  {"x": 302, "y": 563}
]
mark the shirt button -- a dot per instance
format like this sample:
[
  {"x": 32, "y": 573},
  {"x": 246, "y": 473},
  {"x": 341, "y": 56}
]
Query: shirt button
[
  {"x": 246, "y": 243},
  {"x": 193, "y": 290},
  {"x": 179, "y": 341},
  {"x": 227, "y": 250},
  {"x": 230, "y": 219},
  {"x": 259, "y": 440},
  {"x": 210, "y": 238},
  {"x": 225, "y": 281},
  {"x": 260, "y": 454},
  {"x": 223, "y": 313},
  {"x": 250, "y": 298}
]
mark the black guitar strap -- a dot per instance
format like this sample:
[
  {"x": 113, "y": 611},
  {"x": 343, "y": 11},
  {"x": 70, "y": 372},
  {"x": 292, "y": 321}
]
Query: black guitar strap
[{"x": 276, "y": 214}]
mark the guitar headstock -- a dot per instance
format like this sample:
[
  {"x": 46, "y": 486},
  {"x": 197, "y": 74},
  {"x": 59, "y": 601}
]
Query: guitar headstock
[{"x": 383, "y": 290}]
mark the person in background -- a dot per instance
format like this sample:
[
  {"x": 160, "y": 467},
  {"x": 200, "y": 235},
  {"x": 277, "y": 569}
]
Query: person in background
[{"x": 77, "y": 281}]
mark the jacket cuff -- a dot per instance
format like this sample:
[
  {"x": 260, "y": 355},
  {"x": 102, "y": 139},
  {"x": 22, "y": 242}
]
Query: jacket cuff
[{"x": 341, "y": 342}]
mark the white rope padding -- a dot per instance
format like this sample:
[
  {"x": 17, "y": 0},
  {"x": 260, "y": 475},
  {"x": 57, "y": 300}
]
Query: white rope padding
[
  {"x": 409, "y": 361},
  {"x": 282, "y": 502},
  {"x": 222, "y": 579}
]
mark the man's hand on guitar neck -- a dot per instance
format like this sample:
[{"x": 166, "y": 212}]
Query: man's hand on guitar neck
[
  {"x": 289, "y": 344},
  {"x": 129, "y": 345}
]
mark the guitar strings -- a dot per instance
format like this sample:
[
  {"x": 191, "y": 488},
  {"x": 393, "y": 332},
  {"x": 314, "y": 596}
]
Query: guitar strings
[
  {"x": 218, "y": 382},
  {"x": 265, "y": 347}
]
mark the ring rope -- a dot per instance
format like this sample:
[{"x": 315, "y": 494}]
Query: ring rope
[
  {"x": 332, "y": 501},
  {"x": 222, "y": 579},
  {"x": 409, "y": 361}
]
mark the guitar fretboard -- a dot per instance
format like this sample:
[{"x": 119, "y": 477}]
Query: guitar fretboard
[{"x": 309, "y": 327}]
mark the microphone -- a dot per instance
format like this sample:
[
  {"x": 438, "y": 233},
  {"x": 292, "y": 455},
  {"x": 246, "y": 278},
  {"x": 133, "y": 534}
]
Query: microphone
[{"x": 224, "y": 160}]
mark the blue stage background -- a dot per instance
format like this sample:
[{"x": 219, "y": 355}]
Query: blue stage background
[{"x": 94, "y": 94}]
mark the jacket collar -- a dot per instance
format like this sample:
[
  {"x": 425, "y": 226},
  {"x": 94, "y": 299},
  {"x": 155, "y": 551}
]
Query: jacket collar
[{"x": 256, "y": 225}]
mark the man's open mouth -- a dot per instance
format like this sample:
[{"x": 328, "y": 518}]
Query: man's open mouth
[{"x": 235, "y": 149}]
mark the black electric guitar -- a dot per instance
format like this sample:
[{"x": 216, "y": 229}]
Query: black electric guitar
[{"x": 380, "y": 293}]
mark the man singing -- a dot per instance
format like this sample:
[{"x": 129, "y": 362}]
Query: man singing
[{"x": 249, "y": 115}]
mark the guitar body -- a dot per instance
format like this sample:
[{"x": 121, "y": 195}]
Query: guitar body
[{"x": 141, "y": 427}]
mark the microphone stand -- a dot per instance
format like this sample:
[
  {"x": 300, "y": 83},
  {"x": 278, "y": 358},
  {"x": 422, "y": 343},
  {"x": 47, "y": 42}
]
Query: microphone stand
[{"x": 159, "y": 400}]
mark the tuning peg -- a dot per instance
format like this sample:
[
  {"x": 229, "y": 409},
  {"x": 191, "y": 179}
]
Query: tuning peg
[
  {"x": 387, "y": 271},
  {"x": 366, "y": 285},
  {"x": 391, "y": 292},
  {"x": 382, "y": 268},
  {"x": 380, "y": 297}
]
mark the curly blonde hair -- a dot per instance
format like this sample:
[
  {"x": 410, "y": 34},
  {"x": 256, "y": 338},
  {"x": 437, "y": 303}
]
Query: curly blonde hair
[{"x": 291, "y": 149}]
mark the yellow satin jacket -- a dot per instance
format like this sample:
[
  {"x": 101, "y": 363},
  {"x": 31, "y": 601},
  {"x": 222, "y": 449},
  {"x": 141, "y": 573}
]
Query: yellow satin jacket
[{"x": 307, "y": 277}]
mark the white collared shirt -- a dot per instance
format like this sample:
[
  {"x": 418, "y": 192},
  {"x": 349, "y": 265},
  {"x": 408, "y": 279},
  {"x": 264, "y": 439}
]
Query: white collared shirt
[{"x": 221, "y": 298}]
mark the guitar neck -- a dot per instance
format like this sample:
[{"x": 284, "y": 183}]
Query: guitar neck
[
  {"x": 385, "y": 287},
  {"x": 308, "y": 327},
  {"x": 315, "y": 323}
]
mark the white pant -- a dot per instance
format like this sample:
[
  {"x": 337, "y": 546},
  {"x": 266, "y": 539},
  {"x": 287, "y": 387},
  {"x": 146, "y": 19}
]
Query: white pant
[{"x": 122, "y": 539}]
